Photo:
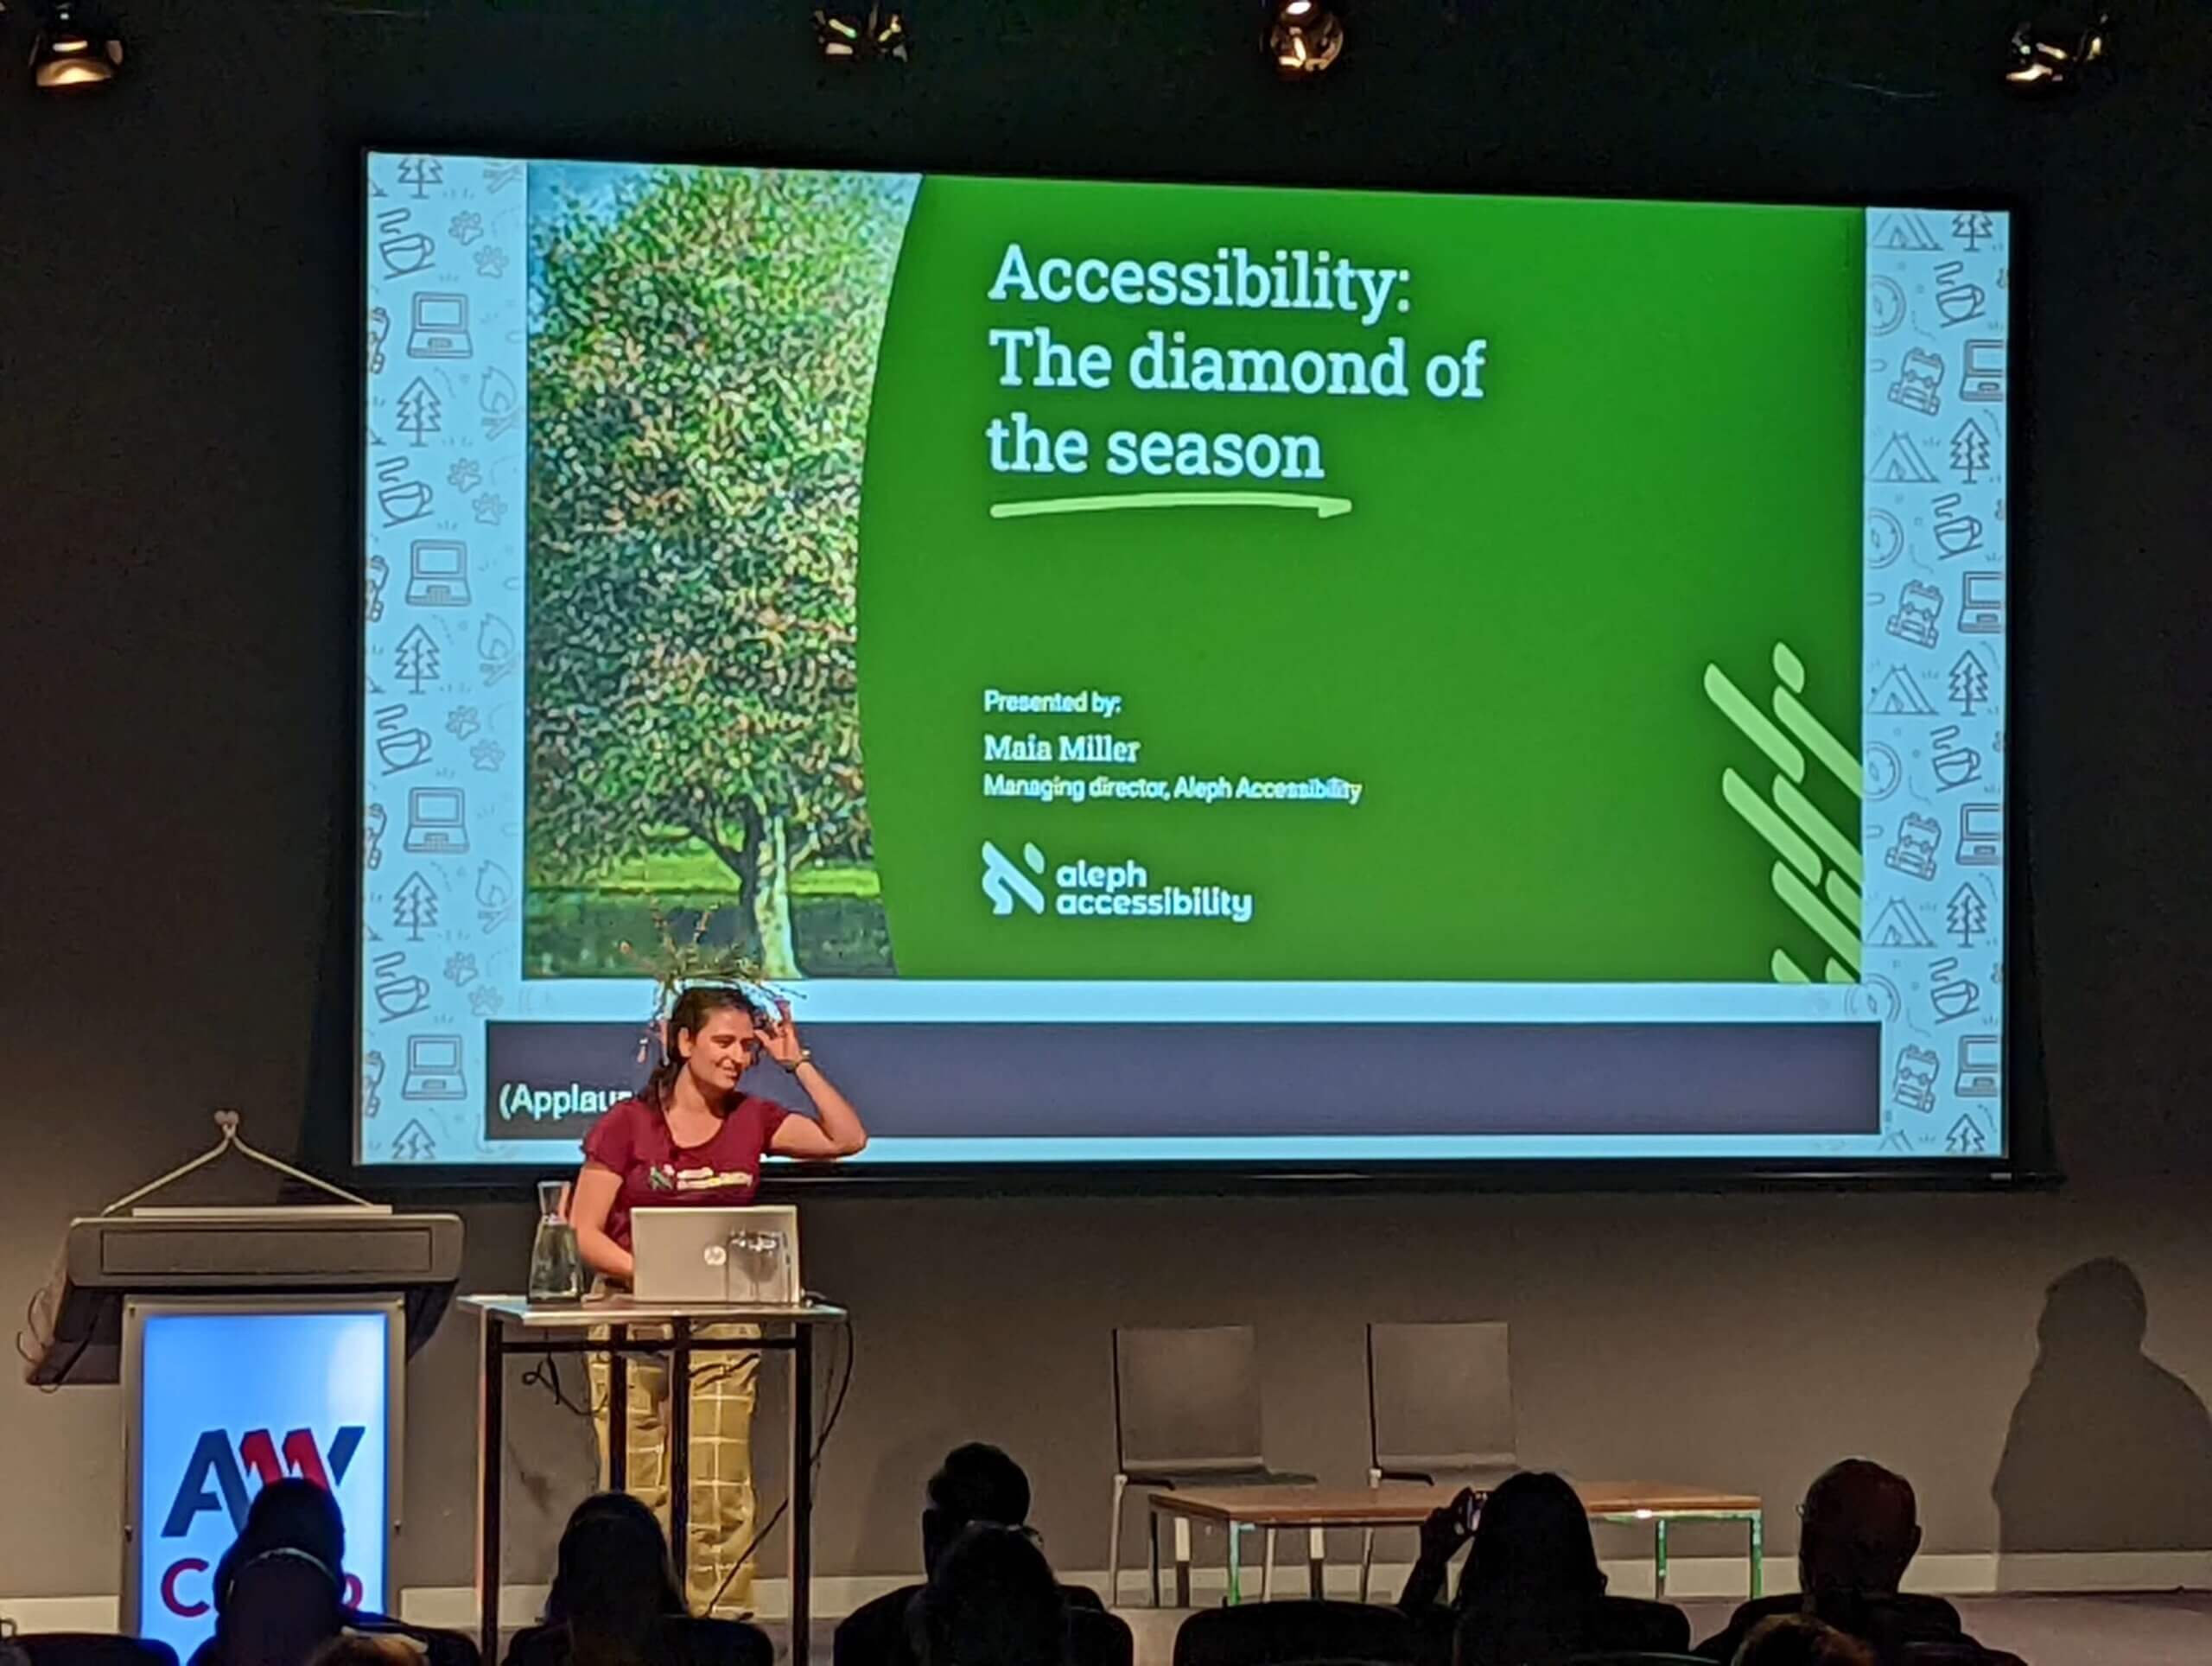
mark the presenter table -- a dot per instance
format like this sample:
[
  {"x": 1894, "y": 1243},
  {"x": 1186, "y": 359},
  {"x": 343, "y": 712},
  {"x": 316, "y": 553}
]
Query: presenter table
[
  {"x": 1401, "y": 1504},
  {"x": 509, "y": 1324}
]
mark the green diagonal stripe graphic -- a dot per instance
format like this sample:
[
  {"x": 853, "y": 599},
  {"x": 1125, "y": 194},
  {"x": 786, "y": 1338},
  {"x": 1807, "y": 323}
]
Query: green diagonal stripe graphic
[
  {"x": 1775, "y": 831},
  {"x": 1845, "y": 898},
  {"x": 1754, "y": 723},
  {"x": 1789, "y": 668},
  {"x": 1787, "y": 970},
  {"x": 1822, "y": 831},
  {"x": 1823, "y": 746},
  {"x": 1792, "y": 890}
]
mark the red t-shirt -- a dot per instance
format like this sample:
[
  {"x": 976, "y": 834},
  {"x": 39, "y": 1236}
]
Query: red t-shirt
[{"x": 632, "y": 1140}]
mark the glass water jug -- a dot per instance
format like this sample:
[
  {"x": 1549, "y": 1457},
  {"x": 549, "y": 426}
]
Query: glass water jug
[{"x": 556, "y": 1267}]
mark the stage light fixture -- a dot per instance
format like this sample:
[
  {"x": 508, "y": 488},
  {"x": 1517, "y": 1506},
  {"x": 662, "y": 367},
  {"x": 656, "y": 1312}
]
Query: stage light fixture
[
  {"x": 2046, "y": 58},
  {"x": 1303, "y": 37},
  {"x": 847, "y": 34},
  {"x": 72, "y": 49}
]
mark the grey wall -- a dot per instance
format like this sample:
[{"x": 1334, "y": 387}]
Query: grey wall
[{"x": 177, "y": 310}]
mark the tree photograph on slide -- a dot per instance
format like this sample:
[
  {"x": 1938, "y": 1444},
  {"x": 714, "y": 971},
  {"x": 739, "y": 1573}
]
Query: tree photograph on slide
[{"x": 702, "y": 347}]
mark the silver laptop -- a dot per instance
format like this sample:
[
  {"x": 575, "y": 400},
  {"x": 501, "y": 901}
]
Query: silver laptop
[{"x": 716, "y": 1255}]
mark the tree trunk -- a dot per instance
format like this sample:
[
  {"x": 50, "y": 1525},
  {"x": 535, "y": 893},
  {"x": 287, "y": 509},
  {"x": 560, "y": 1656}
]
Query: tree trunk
[{"x": 770, "y": 894}]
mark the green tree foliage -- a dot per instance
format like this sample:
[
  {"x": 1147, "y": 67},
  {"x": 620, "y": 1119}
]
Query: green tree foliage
[{"x": 701, "y": 358}]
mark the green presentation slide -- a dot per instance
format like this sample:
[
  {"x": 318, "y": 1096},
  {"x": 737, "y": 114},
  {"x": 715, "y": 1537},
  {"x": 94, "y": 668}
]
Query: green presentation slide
[{"x": 1334, "y": 576}]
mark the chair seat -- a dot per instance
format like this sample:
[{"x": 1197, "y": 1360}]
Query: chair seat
[
  {"x": 1483, "y": 1479},
  {"x": 1167, "y": 1480}
]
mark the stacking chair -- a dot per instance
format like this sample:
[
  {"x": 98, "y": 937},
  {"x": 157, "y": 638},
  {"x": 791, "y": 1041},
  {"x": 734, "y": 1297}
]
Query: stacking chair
[
  {"x": 1186, "y": 1413},
  {"x": 1440, "y": 1410}
]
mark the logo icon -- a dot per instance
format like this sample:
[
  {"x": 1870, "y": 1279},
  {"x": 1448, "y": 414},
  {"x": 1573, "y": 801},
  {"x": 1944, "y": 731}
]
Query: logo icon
[{"x": 1004, "y": 882}]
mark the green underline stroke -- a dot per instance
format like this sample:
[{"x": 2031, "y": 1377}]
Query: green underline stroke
[{"x": 1326, "y": 508}]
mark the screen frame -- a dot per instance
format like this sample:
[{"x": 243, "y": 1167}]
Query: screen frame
[{"x": 330, "y": 1136}]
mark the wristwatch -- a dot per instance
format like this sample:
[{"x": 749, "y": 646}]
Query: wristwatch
[{"x": 805, "y": 1057}]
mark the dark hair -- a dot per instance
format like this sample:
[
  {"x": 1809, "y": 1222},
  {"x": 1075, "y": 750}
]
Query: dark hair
[
  {"x": 292, "y": 1517},
  {"x": 613, "y": 1583},
  {"x": 975, "y": 1483},
  {"x": 365, "y": 1648},
  {"x": 1532, "y": 1583},
  {"x": 1801, "y": 1640},
  {"x": 991, "y": 1600},
  {"x": 692, "y": 1010}
]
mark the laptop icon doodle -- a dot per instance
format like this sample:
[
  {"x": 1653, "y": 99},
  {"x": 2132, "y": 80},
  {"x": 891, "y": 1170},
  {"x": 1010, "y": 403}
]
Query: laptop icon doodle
[
  {"x": 1982, "y": 834},
  {"x": 432, "y": 1068},
  {"x": 436, "y": 822},
  {"x": 1980, "y": 1059},
  {"x": 1982, "y": 604},
  {"x": 437, "y": 573},
  {"x": 440, "y": 328}
]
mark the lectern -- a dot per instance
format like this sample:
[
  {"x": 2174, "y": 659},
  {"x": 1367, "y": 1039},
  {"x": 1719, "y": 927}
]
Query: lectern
[{"x": 250, "y": 1344}]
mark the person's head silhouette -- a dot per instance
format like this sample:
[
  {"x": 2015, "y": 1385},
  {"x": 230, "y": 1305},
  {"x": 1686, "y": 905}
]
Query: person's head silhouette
[
  {"x": 993, "y": 1600},
  {"x": 612, "y": 1579},
  {"x": 1532, "y": 1586},
  {"x": 975, "y": 1483},
  {"x": 1801, "y": 1640},
  {"x": 1861, "y": 1529},
  {"x": 2097, "y": 1307},
  {"x": 1532, "y": 1541},
  {"x": 292, "y": 1518}
]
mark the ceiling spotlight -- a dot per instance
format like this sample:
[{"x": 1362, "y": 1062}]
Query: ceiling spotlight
[
  {"x": 2046, "y": 58},
  {"x": 72, "y": 50},
  {"x": 848, "y": 33},
  {"x": 1303, "y": 37}
]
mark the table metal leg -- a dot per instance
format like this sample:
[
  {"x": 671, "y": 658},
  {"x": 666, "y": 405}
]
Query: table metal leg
[
  {"x": 1659, "y": 1557},
  {"x": 1758, "y": 1525},
  {"x": 679, "y": 1450},
  {"x": 1182, "y": 1562},
  {"x": 1317, "y": 1561},
  {"x": 1152, "y": 1541},
  {"x": 490, "y": 1455},
  {"x": 802, "y": 1530},
  {"x": 1235, "y": 1563},
  {"x": 618, "y": 1411}
]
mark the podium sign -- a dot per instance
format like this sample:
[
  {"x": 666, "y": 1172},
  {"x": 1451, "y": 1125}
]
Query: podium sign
[{"x": 223, "y": 1396}]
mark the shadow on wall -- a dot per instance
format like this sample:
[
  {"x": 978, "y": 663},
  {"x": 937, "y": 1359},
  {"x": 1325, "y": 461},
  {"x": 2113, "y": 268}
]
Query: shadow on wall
[{"x": 2109, "y": 1450}]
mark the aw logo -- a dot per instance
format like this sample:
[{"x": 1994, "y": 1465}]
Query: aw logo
[
  {"x": 1005, "y": 884},
  {"x": 215, "y": 1478}
]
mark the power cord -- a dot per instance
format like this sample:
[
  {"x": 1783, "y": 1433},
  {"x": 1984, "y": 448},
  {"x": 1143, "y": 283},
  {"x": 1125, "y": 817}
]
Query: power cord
[
  {"x": 546, "y": 1375},
  {"x": 813, "y": 1464}
]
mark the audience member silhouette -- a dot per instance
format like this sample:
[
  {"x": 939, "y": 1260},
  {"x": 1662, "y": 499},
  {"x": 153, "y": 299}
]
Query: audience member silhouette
[
  {"x": 1801, "y": 1640},
  {"x": 1859, "y": 1532},
  {"x": 991, "y": 1600},
  {"x": 615, "y": 1600},
  {"x": 1531, "y": 1589},
  {"x": 976, "y": 1482},
  {"x": 280, "y": 1589},
  {"x": 2107, "y": 1450}
]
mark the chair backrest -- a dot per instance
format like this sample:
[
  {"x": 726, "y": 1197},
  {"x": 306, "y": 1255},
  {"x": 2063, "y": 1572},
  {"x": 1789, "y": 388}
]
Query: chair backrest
[
  {"x": 1186, "y": 1399},
  {"x": 1278, "y": 1633},
  {"x": 1638, "y": 1658},
  {"x": 1440, "y": 1397},
  {"x": 90, "y": 1648},
  {"x": 686, "y": 1641},
  {"x": 1099, "y": 1638},
  {"x": 1639, "y": 1624}
]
